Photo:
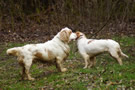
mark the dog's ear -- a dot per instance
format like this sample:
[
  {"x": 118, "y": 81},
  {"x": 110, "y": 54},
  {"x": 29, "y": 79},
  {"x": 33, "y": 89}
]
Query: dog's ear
[
  {"x": 78, "y": 34},
  {"x": 64, "y": 35}
]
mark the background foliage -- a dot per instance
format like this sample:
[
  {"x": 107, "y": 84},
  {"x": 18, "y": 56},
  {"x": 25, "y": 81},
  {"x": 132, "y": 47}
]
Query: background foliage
[{"x": 25, "y": 19}]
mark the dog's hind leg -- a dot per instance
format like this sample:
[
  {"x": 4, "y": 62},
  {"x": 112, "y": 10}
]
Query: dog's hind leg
[
  {"x": 21, "y": 63},
  {"x": 115, "y": 55},
  {"x": 92, "y": 61},
  {"x": 27, "y": 66},
  {"x": 23, "y": 71},
  {"x": 24, "y": 75}
]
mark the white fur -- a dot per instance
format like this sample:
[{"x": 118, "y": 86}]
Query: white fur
[
  {"x": 72, "y": 36},
  {"x": 54, "y": 50},
  {"x": 89, "y": 48}
]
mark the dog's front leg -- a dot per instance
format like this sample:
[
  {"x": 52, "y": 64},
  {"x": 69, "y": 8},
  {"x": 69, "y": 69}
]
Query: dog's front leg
[
  {"x": 59, "y": 65},
  {"x": 86, "y": 58}
]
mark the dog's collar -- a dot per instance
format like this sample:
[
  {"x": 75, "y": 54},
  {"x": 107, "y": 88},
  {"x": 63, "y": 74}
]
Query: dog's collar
[{"x": 79, "y": 37}]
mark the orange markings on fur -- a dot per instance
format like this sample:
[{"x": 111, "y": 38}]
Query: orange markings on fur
[
  {"x": 78, "y": 34},
  {"x": 70, "y": 32},
  {"x": 39, "y": 55},
  {"x": 64, "y": 35},
  {"x": 90, "y": 41},
  {"x": 50, "y": 54},
  {"x": 14, "y": 52}
]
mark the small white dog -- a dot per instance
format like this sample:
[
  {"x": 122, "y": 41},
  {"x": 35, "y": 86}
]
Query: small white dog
[
  {"x": 89, "y": 48},
  {"x": 55, "y": 50}
]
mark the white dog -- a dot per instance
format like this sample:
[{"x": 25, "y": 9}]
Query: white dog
[
  {"x": 89, "y": 48},
  {"x": 55, "y": 50}
]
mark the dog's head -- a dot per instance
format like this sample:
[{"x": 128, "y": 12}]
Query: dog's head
[
  {"x": 65, "y": 35},
  {"x": 78, "y": 35}
]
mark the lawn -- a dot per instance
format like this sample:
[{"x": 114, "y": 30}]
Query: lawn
[{"x": 107, "y": 74}]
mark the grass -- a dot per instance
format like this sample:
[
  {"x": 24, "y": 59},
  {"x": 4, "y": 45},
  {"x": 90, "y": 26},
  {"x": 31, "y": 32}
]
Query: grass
[{"x": 107, "y": 74}]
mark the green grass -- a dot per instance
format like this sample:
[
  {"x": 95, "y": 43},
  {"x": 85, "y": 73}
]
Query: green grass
[{"x": 107, "y": 73}]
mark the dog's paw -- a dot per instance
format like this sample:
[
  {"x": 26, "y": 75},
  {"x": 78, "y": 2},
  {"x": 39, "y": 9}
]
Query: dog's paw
[
  {"x": 63, "y": 70},
  {"x": 31, "y": 79},
  {"x": 89, "y": 66},
  {"x": 85, "y": 67}
]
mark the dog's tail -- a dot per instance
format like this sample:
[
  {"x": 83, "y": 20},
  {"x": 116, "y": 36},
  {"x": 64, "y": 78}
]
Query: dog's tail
[
  {"x": 13, "y": 51},
  {"x": 122, "y": 54}
]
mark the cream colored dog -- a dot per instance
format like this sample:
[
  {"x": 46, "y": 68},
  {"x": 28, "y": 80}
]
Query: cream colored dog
[
  {"x": 55, "y": 50},
  {"x": 89, "y": 48}
]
